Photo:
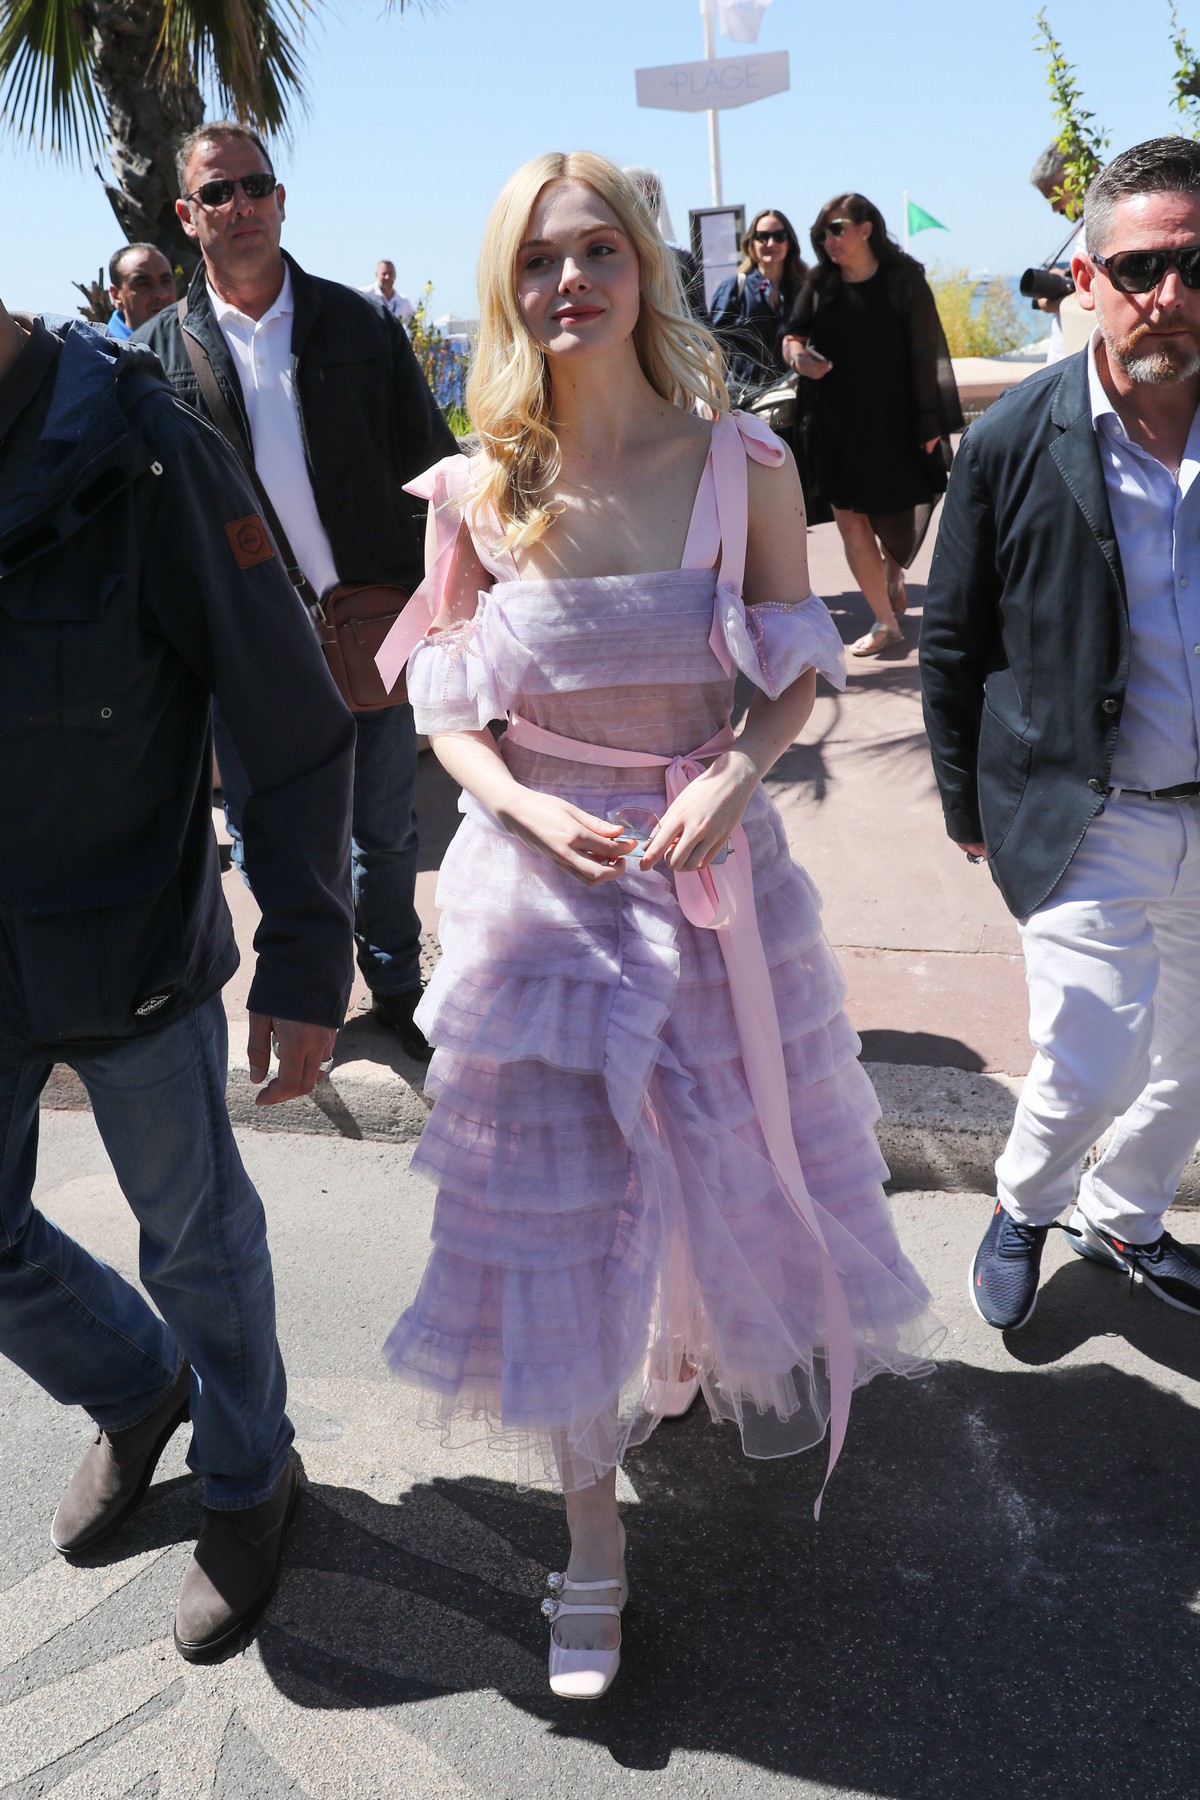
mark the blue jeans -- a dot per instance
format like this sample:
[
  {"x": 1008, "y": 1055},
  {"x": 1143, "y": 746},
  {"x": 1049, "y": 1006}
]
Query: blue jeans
[
  {"x": 387, "y": 929},
  {"x": 81, "y": 1331}
]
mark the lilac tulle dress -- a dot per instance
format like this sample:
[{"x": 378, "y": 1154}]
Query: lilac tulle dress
[{"x": 606, "y": 1201}]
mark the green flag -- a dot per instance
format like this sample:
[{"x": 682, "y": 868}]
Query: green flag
[{"x": 920, "y": 220}]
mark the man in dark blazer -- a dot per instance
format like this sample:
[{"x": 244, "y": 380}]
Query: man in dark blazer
[
  {"x": 322, "y": 387},
  {"x": 1060, "y": 655}
]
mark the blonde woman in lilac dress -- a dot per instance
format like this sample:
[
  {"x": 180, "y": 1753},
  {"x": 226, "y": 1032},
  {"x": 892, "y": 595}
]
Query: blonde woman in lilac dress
[{"x": 651, "y": 1139}]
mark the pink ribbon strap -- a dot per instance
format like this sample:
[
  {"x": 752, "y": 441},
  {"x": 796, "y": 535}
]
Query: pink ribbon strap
[
  {"x": 721, "y": 898},
  {"x": 444, "y": 486},
  {"x": 415, "y": 619},
  {"x": 735, "y": 437}
]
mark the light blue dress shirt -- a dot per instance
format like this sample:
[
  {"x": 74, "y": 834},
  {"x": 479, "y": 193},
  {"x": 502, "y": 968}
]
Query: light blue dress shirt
[{"x": 1156, "y": 516}]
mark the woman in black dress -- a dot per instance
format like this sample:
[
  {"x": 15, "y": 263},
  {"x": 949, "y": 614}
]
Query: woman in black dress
[
  {"x": 749, "y": 311},
  {"x": 865, "y": 328}
]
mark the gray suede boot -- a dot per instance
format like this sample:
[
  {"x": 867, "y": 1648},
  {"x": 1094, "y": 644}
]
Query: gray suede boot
[
  {"x": 233, "y": 1571},
  {"x": 115, "y": 1472}
]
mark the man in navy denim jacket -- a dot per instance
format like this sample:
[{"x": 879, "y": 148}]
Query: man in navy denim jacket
[{"x": 137, "y": 581}]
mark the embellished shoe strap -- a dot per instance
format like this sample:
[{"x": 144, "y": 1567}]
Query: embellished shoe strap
[
  {"x": 554, "y": 1610},
  {"x": 560, "y": 1585}
]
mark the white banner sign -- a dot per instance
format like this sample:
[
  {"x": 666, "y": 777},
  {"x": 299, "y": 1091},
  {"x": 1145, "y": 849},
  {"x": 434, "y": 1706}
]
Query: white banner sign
[{"x": 705, "y": 86}]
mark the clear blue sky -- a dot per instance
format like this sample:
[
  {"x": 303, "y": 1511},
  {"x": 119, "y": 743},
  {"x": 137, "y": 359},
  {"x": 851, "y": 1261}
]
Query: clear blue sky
[{"x": 414, "y": 123}]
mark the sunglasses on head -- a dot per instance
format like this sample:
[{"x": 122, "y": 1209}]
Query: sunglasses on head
[
  {"x": 221, "y": 191},
  {"x": 1140, "y": 271},
  {"x": 835, "y": 227},
  {"x": 770, "y": 237}
]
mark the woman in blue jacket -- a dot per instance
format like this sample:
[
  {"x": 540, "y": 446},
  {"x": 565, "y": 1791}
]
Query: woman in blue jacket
[{"x": 749, "y": 310}]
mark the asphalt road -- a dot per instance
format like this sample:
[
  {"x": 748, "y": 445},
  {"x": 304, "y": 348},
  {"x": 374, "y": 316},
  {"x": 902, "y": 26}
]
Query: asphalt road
[{"x": 1001, "y": 1598}]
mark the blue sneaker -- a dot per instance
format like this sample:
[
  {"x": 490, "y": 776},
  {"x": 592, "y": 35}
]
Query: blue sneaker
[
  {"x": 1170, "y": 1270},
  {"x": 1004, "y": 1274}
]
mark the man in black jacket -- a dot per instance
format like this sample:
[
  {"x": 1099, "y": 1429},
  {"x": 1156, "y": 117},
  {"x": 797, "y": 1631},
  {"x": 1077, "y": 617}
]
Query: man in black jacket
[
  {"x": 323, "y": 386},
  {"x": 136, "y": 582},
  {"x": 1061, "y": 658}
]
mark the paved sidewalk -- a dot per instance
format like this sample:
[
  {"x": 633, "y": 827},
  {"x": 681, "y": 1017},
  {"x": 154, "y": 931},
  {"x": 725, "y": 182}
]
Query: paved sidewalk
[
  {"x": 1000, "y": 1599},
  {"x": 930, "y": 952}
]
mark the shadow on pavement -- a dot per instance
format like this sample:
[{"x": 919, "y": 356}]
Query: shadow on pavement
[
  {"x": 900, "y": 757},
  {"x": 931, "y": 1049},
  {"x": 1082, "y": 1301},
  {"x": 1001, "y": 1598}
]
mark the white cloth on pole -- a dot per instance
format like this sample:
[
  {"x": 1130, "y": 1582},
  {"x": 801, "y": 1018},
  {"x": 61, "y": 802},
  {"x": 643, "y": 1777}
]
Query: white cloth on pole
[{"x": 741, "y": 20}]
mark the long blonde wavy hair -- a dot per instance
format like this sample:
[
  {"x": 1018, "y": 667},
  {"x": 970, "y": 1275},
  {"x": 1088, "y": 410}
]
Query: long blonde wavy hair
[{"x": 508, "y": 390}]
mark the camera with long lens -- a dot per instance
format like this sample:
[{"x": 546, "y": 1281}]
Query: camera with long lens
[{"x": 1045, "y": 284}]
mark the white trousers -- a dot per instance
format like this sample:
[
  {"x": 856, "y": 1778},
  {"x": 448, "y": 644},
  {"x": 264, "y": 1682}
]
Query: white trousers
[{"x": 1112, "y": 962}]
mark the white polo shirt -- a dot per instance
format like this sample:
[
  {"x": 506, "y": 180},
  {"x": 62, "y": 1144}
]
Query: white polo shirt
[{"x": 262, "y": 352}]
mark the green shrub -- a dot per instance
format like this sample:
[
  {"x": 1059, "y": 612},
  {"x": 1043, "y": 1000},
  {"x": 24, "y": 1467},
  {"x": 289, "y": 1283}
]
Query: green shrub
[
  {"x": 980, "y": 319},
  {"x": 443, "y": 363}
]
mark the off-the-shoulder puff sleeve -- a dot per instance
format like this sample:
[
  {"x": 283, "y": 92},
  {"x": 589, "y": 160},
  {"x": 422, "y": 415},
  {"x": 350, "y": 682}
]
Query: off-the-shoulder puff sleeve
[
  {"x": 451, "y": 680},
  {"x": 773, "y": 643},
  {"x": 452, "y": 666}
]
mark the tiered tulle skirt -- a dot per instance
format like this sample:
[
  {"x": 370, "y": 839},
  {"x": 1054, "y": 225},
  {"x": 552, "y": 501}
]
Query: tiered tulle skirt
[{"x": 605, "y": 1204}]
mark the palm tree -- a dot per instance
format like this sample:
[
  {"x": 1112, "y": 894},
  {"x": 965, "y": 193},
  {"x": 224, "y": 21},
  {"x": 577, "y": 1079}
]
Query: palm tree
[{"x": 77, "y": 73}]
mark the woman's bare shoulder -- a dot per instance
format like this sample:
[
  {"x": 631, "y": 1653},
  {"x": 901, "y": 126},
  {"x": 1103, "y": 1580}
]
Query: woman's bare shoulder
[
  {"x": 777, "y": 539},
  {"x": 774, "y": 486}
]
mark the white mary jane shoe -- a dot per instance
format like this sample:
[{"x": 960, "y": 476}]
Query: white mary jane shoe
[{"x": 583, "y": 1674}]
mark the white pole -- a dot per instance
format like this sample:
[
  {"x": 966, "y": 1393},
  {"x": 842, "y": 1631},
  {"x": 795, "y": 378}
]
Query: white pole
[
  {"x": 904, "y": 205},
  {"x": 714, "y": 129}
]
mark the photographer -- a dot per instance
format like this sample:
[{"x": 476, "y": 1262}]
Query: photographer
[{"x": 1050, "y": 285}]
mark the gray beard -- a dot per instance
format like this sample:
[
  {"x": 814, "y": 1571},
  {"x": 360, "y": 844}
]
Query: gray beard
[{"x": 1158, "y": 368}]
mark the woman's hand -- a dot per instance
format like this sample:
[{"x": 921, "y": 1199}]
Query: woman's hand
[
  {"x": 577, "y": 841},
  {"x": 804, "y": 359},
  {"x": 698, "y": 823}
]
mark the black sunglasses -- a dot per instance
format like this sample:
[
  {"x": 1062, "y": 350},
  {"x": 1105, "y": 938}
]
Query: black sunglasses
[
  {"x": 770, "y": 237},
  {"x": 1140, "y": 271},
  {"x": 221, "y": 191},
  {"x": 835, "y": 227}
]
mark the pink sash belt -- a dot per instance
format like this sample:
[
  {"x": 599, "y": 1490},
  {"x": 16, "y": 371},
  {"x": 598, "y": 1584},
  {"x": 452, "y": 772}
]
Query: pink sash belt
[{"x": 721, "y": 899}]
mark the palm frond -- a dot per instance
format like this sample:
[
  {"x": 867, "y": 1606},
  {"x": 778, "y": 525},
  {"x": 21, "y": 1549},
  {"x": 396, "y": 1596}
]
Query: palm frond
[
  {"x": 47, "y": 95},
  {"x": 245, "y": 51}
]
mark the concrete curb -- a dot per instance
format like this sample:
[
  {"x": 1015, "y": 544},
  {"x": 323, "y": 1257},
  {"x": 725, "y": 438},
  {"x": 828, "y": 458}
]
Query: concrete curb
[
  {"x": 941, "y": 1130},
  {"x": 372, "y": 1092}
]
